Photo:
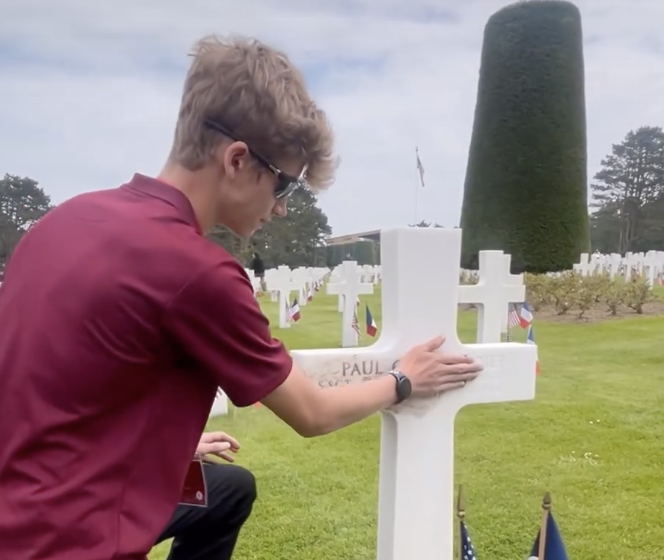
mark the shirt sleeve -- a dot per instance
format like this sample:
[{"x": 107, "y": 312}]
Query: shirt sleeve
[{"x": 220, "y": 326}]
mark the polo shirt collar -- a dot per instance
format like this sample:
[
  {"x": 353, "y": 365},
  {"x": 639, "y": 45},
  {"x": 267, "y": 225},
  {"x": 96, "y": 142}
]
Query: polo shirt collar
[{"x": 167, "y": 193}]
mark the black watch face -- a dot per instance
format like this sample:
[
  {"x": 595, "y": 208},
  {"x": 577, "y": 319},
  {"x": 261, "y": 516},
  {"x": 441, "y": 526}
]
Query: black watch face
[{"x": 404, "y": 387}]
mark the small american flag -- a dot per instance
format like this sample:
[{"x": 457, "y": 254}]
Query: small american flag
[
  {"x": 513, "y": 318},
  {"x": 356, "y": 325},
  {"x": 467, "y": 550}
]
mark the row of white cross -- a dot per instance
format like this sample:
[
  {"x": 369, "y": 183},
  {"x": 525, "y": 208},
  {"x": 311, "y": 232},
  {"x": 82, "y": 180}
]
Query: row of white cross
[
  {"x": 495, "y": 290},
  {"x": 650, "y": 264},
  {"x": 420, "y": 295}
]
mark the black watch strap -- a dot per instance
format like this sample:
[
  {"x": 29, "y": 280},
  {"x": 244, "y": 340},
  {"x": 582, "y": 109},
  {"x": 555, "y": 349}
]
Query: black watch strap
[{"x": 403, "y": 387}]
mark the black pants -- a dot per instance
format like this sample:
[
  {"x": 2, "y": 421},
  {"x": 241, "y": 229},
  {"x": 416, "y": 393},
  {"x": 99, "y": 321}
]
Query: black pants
[{"x": 211, "y": 533}]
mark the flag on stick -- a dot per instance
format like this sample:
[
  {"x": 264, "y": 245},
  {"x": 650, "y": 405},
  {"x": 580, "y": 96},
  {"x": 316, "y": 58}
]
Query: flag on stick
[
  {"x": 526, "y": 316},
  {"x": 371, "y": 326},
  {"x": 294, "y": 312},
  {"x": 513, "y": 318},
  {"x": 420, "y": 167},
  {"x": 548, "y": 544},
  {"x": 531, "y": 340},
  {"x": 355, "y": 324},
  {"x": 466, "y": 550}
]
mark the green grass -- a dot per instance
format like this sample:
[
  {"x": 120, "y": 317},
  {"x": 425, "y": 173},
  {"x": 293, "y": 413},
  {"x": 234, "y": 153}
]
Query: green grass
[{"x": 594, "y": 437}]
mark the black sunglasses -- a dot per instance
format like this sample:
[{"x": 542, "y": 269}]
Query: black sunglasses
[{"x": 286, "y": 183}]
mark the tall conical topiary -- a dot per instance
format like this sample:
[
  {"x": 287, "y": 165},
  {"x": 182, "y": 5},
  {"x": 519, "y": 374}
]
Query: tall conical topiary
[{"x": 526, "y": 182}]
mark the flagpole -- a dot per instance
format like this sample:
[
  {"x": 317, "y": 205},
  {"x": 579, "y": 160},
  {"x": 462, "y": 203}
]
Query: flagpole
[
  {"x": 418, "y": 183},
  {"x": 546, "y": 508},
  {"x": 461, "y": 514},
  {"x": 417, "y": 196}
]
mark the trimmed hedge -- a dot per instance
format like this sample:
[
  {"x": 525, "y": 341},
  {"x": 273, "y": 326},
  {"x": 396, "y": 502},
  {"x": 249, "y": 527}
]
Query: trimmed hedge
[{"x": 526, "y": 182}]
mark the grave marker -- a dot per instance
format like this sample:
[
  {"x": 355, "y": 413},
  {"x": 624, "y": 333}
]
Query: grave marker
[
  {"x": 350, "y": 287},
  {"x": 280, "y": 282},
  {"x": 220, "y": 405},
  {"x": 495, "y": 290},
  {"x": 416, "y": 487},
  {"x": 335, "y": 279},
  {"x": 585, "y": 266}
]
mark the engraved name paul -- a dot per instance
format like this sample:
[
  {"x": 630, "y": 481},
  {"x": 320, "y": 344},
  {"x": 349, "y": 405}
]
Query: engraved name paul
[{"x": 355, "y": 372}]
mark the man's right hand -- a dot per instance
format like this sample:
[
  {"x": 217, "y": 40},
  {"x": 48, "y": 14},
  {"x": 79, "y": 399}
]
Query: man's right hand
[{"x": 431, "y": 371}]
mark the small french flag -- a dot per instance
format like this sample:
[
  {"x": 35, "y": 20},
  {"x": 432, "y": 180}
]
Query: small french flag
[
  {"x": 294, "y": 312},
  {"x": 526, "y": 316},
  {"x": 372, "y": 328},
  {"x": 531, "y": 340}
]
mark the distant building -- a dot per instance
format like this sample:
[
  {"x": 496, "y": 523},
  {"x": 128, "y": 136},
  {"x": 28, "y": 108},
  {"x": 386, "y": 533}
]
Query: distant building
[{"x": 354, "y": 238}]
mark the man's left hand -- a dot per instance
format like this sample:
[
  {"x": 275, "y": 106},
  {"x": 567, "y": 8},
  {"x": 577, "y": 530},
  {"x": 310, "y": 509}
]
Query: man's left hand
[{"x": 218, "y": 443}]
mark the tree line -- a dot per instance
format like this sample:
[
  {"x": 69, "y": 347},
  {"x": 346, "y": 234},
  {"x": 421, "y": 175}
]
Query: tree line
[
  {"x": 627, "y": 213},
  {"x": 628, "y": 195},
  {"x": 22, "y": 203}
]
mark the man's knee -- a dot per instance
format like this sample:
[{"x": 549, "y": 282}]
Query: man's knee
[
  {"x": 245, "y": 482},
  {"x": 231, "y": 484}
]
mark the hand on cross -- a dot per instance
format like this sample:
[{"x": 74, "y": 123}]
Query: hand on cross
[{"x": 432, "y": 372}]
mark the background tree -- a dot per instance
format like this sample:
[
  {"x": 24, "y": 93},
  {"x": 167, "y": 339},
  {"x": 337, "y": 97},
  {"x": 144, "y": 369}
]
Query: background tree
[
  {"x": 236, "y": 246},
  {"x": 22, "y": 203},
  {"x": 526, "y": 182},
  {"x": 425, "y": 224},
  {"x": 299, "y": 239},
  {"x": 628, "y": 194}
]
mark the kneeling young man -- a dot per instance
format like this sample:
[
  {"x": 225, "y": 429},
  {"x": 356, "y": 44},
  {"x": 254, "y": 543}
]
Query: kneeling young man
[{"x": 119, "y": 320}]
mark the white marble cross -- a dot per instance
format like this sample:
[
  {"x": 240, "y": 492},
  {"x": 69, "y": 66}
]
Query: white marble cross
[
  {"x": 495, "y": 290},
  {"x": 419, "y": 301},
  {"x": 334, "y": 279},
  {"x": 300, "y": 277},
  {"x": 585, "y": 266},
  {"x": 220, "y": 405},
  {"x": 282, "y": 284},
  {"x": 350, "y": 287}
]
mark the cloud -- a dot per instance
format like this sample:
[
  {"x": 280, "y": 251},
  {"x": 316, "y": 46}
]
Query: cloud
[{"x": 90, "y": 90}]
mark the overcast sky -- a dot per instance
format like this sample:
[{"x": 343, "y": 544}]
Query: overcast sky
[{"x": 89, "y": 91}]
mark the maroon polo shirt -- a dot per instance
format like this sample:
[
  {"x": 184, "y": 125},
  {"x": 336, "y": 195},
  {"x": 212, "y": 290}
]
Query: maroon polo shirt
[{"x": 118, "y": 320}]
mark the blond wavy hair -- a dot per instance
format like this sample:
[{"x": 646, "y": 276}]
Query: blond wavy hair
[{"x": 258, "y": 95}]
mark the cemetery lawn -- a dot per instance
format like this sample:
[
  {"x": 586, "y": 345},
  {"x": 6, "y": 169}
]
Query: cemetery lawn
[{"x": 593, "y": 438}]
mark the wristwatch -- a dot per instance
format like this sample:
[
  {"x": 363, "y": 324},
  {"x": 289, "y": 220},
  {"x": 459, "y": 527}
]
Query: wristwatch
[{"x": 403, "y": 387}]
